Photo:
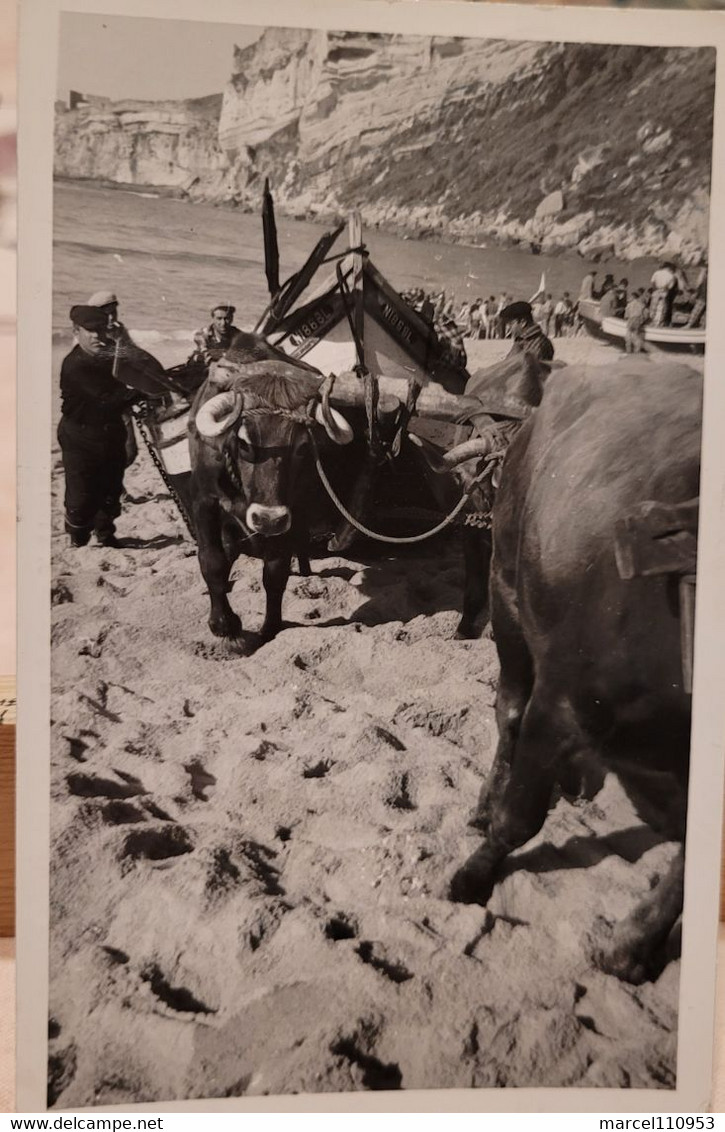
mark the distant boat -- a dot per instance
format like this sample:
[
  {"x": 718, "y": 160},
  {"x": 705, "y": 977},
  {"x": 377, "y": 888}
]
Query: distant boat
[{"x": 614, "y": 329}]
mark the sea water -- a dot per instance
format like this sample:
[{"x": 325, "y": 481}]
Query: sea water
[{"x": 170, "y": 261}]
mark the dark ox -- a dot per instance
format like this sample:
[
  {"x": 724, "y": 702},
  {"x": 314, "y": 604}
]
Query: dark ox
[
  {"x": 250, "y": 445},
  {"x": 591, "y": 664},
  {"x": 508, "y": 391}
]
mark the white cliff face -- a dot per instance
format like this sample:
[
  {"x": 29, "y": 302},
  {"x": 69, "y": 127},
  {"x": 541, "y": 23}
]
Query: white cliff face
[
  {"x": 136, "y": 143},
  {"x": 344, "y": 96},
  {"x": 569, "y": 147}
]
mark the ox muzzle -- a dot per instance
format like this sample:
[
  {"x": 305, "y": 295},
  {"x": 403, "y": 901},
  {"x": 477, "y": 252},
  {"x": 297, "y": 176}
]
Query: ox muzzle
[{"x": 268, "y": 521}]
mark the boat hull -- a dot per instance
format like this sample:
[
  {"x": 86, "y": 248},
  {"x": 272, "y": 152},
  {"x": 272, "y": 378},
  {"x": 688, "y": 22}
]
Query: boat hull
[
  {"x": 672, "y": 337},
  {"x": 614, "y": 329}
]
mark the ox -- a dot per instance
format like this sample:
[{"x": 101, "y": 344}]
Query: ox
[
  {"x": 591, "y": 664},
  {"x": 507, "y": 392},
  {"x": 250, "y": 430}
]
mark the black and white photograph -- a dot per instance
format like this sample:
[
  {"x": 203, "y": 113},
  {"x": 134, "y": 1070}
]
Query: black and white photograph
[{"x": 376, "y": 406}]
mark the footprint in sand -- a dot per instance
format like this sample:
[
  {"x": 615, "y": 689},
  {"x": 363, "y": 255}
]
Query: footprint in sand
[
  {"x": 77, "y": 745},
  {"x": 121, "y": 813},
  {"x": 318, "y": 770},
  {"x": 201, "y": 781},
  {"x": 341, "y": 926},
  {"x": 60, "y": 593},
  {"x": 156, "y": 844},
  {"x": 400, "y": 798},
  {"x": 178, "y": 999},
  {"x": 94, "y": 786}
]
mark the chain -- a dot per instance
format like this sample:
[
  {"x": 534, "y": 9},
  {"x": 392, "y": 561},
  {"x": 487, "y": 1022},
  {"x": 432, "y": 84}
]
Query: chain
[{"x": 139, "y": 416}]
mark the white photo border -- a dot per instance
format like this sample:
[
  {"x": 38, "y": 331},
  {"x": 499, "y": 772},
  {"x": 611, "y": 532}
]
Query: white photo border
[{"x": 39, "y": 26}]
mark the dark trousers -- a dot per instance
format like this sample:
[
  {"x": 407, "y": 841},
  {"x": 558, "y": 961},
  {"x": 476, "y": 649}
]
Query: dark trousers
[{"x": 94, "y": 460}]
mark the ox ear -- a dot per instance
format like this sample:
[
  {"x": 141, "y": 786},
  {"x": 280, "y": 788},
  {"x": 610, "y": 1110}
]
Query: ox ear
[
  {"x": 219, "y": 413},
  {"x": 334, "y": 424}
]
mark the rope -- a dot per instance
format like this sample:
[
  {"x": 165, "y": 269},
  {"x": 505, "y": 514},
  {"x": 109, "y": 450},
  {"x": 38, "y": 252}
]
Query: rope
[{"x": 395, "y": 540}]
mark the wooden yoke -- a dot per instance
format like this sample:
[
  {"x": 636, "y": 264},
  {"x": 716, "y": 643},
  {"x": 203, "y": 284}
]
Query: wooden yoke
[
  {"x": 661, "y": 538},
  {"x": 657, "y": 538}
]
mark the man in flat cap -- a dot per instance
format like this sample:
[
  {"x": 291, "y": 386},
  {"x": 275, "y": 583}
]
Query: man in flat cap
[
  {"x": 99, "y": 381},
  {"x": 211, "y": 341},
  {"x": 107, "y": 301},
  {"x": 527, "y": 335}
]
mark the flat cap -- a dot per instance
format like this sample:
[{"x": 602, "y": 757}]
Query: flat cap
[
  {"x": 102, "y": 299},
  {"x": 515, "y": 311},
  {"x": 88, "y": 317},
  {"x": 223, "y": 307}
]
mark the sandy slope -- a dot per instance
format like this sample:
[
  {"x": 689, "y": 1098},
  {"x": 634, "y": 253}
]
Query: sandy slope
[{"x": 251, "y": 849}]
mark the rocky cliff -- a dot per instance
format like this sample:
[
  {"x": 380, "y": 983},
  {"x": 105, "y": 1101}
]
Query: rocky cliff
[
  {"x": 161, "y": 144},
  {"x": 587, "y": 147}
]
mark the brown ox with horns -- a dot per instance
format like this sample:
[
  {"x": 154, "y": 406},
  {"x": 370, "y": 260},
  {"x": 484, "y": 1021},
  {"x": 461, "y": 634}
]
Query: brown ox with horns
[{"x": 250, "y": 431}]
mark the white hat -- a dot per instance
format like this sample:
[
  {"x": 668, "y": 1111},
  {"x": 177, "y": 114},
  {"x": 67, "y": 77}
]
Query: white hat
[{"x": 102, "y": 299}]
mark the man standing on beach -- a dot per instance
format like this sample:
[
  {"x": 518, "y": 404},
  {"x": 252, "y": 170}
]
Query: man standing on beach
[
  {"x": 99, "y": 381},
  {"x": 636, "y": 317},
  {"x": 528, "y": 337},
  {"x": 586, "y": 291},
  {"x": 563, "y": 315},
  {"x": 107, "y": 301}
]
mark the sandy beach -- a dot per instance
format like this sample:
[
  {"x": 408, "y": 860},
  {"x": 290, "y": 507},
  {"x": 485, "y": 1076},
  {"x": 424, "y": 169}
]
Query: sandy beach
[{"x": 251, "y": 847}]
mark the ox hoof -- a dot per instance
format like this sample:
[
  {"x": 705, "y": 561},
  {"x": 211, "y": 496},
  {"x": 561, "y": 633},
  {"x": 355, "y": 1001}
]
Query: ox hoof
[
  {"x": 624, "y": 967},
  {"x": 473, "y": 882},
  {"x": 229, "y": 626},
  {"x": 474, "y": 630},
  {"x": 267, "y": 634}
]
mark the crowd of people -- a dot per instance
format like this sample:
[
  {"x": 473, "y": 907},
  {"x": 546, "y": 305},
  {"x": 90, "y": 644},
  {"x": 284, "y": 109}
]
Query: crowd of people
[
  {"x": 481, "y": 318},
  {"x": 653, "y": 305}
]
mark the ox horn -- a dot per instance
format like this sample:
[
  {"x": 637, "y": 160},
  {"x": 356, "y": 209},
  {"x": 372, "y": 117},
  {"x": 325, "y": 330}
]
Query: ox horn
[
  {"x": 334, "y": 424},
  {"x": 445, "y": 461},
  {"x": 219, "y": 413}
]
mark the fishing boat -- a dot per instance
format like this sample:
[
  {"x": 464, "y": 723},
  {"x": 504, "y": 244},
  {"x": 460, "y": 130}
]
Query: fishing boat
[
  {"x": 665, "y": 337},
  {"x": 669, "y": 337},
  {"x": 339, "y": 313}
]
